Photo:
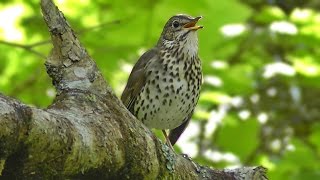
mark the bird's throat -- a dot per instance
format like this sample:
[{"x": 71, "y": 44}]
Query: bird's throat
[{"x": 190, "y": 45}]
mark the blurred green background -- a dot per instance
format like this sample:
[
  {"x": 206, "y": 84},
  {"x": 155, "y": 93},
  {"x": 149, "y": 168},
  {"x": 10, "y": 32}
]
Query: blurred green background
[{"x": 260, "y": 101}]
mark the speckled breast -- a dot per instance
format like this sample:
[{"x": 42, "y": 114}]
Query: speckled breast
[{"x": 170, "y": 94}]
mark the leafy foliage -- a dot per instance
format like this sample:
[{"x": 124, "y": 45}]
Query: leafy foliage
[{"x": 259, "y": 103}]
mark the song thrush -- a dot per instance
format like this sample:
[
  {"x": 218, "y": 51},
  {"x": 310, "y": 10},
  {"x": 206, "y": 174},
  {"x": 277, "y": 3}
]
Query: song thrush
[{"x": 164, "y": 85}]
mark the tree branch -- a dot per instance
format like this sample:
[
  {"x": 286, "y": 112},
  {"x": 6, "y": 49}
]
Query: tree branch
[{"x": 86, "y": 132}]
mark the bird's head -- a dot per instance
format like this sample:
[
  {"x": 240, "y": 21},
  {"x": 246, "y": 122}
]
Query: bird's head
[{"x": 181, "y": 30}]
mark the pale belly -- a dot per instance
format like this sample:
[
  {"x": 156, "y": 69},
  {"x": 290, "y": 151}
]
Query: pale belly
[{"x": 169, "y": 107}]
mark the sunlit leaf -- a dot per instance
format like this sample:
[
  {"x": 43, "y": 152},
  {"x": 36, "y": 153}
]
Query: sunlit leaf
[
  {"x": 269, "y": 14},
  {"x": 215, "y": 97},
  {"x": 306, "y": 65}
]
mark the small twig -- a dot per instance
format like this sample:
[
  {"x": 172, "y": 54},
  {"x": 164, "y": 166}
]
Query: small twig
[
  {"x": 40, "y": 43},
  {"x": 201, "y": 141},
  {"x": 45, "y": 42},
  {"x": 25, "y": 47},
  {"x": 98, "y": 26}
]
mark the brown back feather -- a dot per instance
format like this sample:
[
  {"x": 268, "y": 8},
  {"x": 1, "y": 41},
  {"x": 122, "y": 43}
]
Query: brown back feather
[{"x": 137, "y": 80}]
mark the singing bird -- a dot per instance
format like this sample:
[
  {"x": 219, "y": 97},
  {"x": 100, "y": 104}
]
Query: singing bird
[{"x": 164, "y": 85}]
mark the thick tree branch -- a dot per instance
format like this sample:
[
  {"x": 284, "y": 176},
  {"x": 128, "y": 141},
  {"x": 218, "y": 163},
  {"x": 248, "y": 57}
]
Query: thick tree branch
[{"x": 87, "y": 132}]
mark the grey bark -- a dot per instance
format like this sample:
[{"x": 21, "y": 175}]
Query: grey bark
[{"x": 86, "y": 132}]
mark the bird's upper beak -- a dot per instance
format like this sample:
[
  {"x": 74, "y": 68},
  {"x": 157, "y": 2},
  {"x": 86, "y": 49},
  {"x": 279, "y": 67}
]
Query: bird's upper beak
[{"x": 192, "y": 24}]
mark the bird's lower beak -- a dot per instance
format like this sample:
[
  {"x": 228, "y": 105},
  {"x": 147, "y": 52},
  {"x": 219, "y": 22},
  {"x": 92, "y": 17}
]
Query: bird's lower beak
[{"x": 192, "y": 25}]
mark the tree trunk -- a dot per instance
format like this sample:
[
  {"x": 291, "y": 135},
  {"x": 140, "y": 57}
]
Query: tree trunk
[{"x": 86, "y": 132}]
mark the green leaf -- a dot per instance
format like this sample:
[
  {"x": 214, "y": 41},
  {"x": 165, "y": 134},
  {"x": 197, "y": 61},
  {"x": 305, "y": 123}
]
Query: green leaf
[{"x": 239, "y": 137}]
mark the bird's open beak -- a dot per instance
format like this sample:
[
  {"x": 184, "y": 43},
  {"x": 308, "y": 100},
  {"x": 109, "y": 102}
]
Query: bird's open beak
[{"x": 192, "y": 25}]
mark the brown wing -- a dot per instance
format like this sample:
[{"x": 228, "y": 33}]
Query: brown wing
[
  {"x": 176, "y": 132},
  {"x": 137, "y": 80}
]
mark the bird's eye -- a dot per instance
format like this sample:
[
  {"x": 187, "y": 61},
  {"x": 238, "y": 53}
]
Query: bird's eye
[{"x": 175, "y": 24}]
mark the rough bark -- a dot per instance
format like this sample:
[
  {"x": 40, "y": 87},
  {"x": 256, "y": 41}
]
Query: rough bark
[{"x": 87, "y": 132}]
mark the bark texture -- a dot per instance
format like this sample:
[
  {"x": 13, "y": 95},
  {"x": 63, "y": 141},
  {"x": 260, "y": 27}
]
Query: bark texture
[{"x": 87, "y": 133}]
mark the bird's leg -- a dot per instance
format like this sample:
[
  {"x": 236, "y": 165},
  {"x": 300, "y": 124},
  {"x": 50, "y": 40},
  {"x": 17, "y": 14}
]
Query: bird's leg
[{"x": 167, "y": 139}]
